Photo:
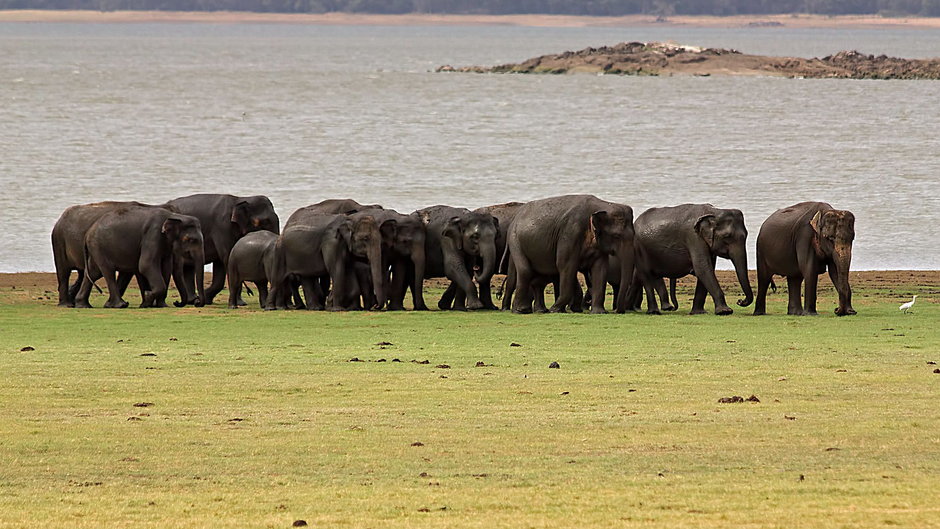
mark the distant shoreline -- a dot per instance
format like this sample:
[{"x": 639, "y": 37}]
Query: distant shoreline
[{"x": 768, "y": 22}]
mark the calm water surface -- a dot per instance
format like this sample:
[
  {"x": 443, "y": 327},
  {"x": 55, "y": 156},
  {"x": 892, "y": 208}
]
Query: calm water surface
[{"x": 301, "y": 113}]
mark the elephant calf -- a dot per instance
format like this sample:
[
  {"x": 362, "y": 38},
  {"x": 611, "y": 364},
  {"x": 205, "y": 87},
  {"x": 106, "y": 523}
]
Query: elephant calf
[{"x": 252, "y": 259}]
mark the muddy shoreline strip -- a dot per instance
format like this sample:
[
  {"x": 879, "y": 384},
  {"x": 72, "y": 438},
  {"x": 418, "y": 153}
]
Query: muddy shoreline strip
[
  {"x": 667, "y": 59},
  {"x": 421, "y": 19}
]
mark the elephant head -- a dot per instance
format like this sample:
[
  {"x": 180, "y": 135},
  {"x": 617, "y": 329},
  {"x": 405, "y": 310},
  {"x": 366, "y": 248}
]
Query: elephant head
[
  {"x": 726, "y": 235},
  {"x": 184, "y": 234},
  {"x": 613, "y": 234},
  {"x": 475, "y": 234},
  {"x": 834, "y": 231},
  {"x": 365, "y": 238},
  {"x": 255, "y": 213}
]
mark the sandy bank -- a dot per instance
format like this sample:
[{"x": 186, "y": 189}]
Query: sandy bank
[{"x": 226, "y": 17}]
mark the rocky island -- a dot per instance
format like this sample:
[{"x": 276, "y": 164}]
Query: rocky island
[{"x": 657, "y": 58}]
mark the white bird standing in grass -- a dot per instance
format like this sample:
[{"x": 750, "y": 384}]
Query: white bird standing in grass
[{"x": 907, "y": 306}]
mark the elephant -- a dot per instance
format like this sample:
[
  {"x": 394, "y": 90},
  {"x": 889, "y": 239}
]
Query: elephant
[
  {"x": 503, "y": 213},
  {"x": 252, "y": 259},
  {"x": 224, "y": 219},
  {"x": 68, "y": 244},
  {"x": 456, "y": 237},
  {"x": 332, "y": 206},
  {"x": 801, "y": 242},
  {"x": 562, "y": 235},
  {"x": 143, "y": 241},
  {"x": 405, "y": 258},
  {"x": 687, "y": 239},
  {"x": 328, "y": 245}
]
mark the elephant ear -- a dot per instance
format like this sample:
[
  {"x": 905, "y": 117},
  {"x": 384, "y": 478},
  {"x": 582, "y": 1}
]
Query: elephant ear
[
  {"x": 241, "y": 215},
  {"x": 389, "y": 229},
  {"x": 454, "y": 231},
  {"x": 814, "y": 222},
  {"x": 705, "y": 228},
  {"x": 344, "y": 232},
  {"x": 599, "y": 221},
  {"x": 172, "y": 227}
]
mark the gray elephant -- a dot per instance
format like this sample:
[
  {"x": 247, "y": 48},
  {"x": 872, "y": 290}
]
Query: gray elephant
[
  {"x": 456, "y": 238},
  {"x": 687, "y": 239},
  {"x": 559, "y": 236},
  {"x": 252, "y": 259},
  {"x": 68, "y": 245},
  {"x": 405, "y": 259},
  {"x": 142, "y": 241},
  {"x": 331, "y": 206},
  {"x": 801, "y": 242},
  {"x": 328, "y": 246},
  {"x": 224, "y": 220}
]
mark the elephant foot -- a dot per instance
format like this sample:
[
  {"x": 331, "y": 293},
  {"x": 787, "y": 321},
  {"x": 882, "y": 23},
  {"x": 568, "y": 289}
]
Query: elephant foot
[
  {"x": 66, "y": 304},
  {"x": 557, "y": 310},
  {"x": 794, "y": 312},
  {"x": 441, "y": 305},
  {"x": 744, "y": 302},
  {"x": 724, "y": 311},
  {"x": 82, "y": 305},
  {"x": 474, "y": 305},
  {"x": 241, "y": 302},
  {"x": 392, "y": 308},
  {"x": 654, "y": 313},
  {"x": 670, "y": 308},
  {"x": 598, "y": 310},
  {"x": 522, "y": 310},
  {"x": 490, "y": 307},
  {"x": 845, "y": 312},
  {"x": 116, "y": 305},
  {"x": 697, "y": 311},
  {"x": 235, "y": 305},
  {"x": 540, "y": 310},
  {"x": 810, "y": 313},
  {"x": 759, "y": 312},
  {"x": 422, "y": 307}
]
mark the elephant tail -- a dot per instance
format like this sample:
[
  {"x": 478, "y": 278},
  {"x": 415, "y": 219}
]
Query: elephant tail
[
  {"x": 773, "y": 286},
  {"x": 247, "y": 289},
  {"x": 499, "y": 291}
]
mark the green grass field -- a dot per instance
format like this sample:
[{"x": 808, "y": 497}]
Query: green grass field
[{"x": 217, "y": 418}]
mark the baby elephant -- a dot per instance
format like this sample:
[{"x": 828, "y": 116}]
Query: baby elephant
[{"x": 252, "y": 259}]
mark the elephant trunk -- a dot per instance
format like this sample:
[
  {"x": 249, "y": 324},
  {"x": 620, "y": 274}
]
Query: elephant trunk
[
  {"x": 627, "y": 255},
  {"x": 488, "y": 254},
  {"x": 417, "y": 288},
  {"x": 842, "y": 260},
  {"x": 739, "y": 259},
  {"x": 199, "y": 261},
  {"x": 378, "y": 275}
]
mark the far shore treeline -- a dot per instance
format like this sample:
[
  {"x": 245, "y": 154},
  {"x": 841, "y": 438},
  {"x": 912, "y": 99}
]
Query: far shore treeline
[{"x": 661, "y": 8}]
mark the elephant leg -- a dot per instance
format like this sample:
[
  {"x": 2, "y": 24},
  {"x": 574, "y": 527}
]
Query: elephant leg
[
  {"x": 509, "y": 286},
  {"x": 311, "y": 288},
  {"x": 567, "y": 278},
  {"x": 634, "y": 295},
  {"x": 156, "y": 286},
  {"x": 615, "y": 287},
  {"x": 460, "y": 300},
  {"x": 705, "y": 272},
  {"x": 522, "y": 304},
  {"x": 811, "y": 282},
  {"x": 91, "y": 275},
  {"x": 456, "y": 270},
  {"x": 598, "y": 286},
  {"x": 67, "y": 292},
  {"x": 218, "y": 282},
  {"x": 698, "y": 301},
  {"x": 672, "y": 294},
  {"x": 235, "y": 288},
  {"x": 447, "y": 298},
  {"x": 486, "y": 294},
  {"x": 294, "y": 297},
  {"x": 667, "y": 305},
  {"x": 794, "y": 305},
  {"x": 538, "y": 295},
  {"x": 649, "y": 288},
  {"x": 763, "y": 282},
  {"x": 262, "y": 292},
  {"x": 397, "y": 286},
  {"x": 845, "y": 301}
]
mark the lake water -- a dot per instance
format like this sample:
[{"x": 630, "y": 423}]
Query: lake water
[{"x": 301, "y": 113}]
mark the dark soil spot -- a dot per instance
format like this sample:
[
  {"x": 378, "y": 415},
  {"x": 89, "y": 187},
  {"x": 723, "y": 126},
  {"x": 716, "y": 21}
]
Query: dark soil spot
[
  {"x": 174, "y": 339},
  {"x": 443, "y": 376},
  {"x": 380, "y": 360},
  {"x": 384, "y": 343},
  {"x": 631, "y": 391},
  {"x": 424, "y": 475},
  {"x": 236, "y": 419},
  {"x": 148, "y": 354},
  {"x": 514, "y": 344},
  {"x": 134, "y": 419},
  {"x": 120, "y": 341},
  {"x": 929, "y": 363},
  {"x": 936, "y": 370},
  {"x": 565, "y": 393},
  {"x": 442, "y": 366},
  {"x": 417, "y": 443},
  {"x": 143, "y": 404},
  {"x": 424, "y": 509},
  {"x": 130, "y": 459},
  {"x": 730, "y": 400},
  {"x": 482, "y": 364},
  {"x": 355, "y": 359},
  {"x": 27, "y": 349},
  {"x": 395, "y": 360},
  {"x": 422, "y": 362},
  {"x": 789, "y": 418},
  {"x": 299, "y": 523},
  {"x": 833, "y": 449},
  {"x": 752, "y": 398},
  {"x": 554, "y": 365}
]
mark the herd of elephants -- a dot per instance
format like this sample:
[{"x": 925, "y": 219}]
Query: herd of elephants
[{"x": 344, "y": 255}]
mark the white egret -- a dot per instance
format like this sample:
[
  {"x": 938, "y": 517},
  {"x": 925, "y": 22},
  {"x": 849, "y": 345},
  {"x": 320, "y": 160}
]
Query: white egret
[{"x": 907, "y": 306}]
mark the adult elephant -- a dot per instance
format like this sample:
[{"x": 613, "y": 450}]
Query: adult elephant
[
  {"x": 565, "y": 234},
  {"x": 143, "y": 241},
  {"x": 224, "y": 220},
  {"x": 68, "y": 244},
  {"x": 404, "y": 257},
  {"x": 328, "y": 246},
  {"x": 456, "y": 238},
  {"x": 676, "y": 241},
  {"x": 331, "y": 206},
  {"x": 252, "y": 259},
  {"x": 801, "y": 242}
]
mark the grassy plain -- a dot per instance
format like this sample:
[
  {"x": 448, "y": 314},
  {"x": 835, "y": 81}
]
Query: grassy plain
[{"x": 217, "y": 418}]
